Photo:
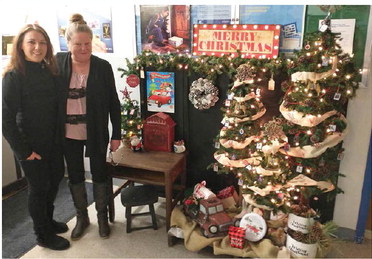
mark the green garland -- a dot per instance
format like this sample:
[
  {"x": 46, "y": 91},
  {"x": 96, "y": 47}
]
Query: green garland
[
  {"x": 303, "y": 136},
  {"x": 207, "y": 66},
  {"x": 240, "y": 133}
]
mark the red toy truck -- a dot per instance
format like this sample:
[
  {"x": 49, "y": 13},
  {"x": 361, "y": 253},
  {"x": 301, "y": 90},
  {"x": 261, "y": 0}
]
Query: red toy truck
[{"x": 211, "y": 217}]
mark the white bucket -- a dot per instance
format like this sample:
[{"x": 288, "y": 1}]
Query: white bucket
[
  {"x": 300, "y": 224},
  {"x": 298, "y": 249}
]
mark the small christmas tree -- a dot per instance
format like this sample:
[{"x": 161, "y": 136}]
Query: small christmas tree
[{"x": 131, "y": 122}]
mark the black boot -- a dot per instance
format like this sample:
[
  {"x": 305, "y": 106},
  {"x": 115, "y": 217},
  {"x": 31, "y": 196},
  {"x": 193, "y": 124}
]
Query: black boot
[
  {"x": 79, "y": 196},
  {"x": 100, "y": 193},
  {"x": 47, "y": 238},
  {"x": 57, "y": 227}
]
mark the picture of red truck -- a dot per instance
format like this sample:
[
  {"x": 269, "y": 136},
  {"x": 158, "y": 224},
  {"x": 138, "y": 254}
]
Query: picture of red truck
[{"x": 159, "y": 97}]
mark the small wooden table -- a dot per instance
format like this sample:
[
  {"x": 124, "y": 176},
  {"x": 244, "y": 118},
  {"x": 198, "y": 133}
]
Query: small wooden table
[{"x": 153, "y": 167}]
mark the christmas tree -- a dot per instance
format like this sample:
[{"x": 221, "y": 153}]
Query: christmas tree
[
  {"x": 292, "y": 158},
  {"x": 323, "y": 79},
  {"x": 243, "y": 147},
  {"x": 287, "y": 162},
  {"x": 131, "y": 122}
]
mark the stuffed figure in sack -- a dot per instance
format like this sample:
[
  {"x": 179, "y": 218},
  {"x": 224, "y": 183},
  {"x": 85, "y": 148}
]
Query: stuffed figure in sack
[{"x": 135, "y": 143}]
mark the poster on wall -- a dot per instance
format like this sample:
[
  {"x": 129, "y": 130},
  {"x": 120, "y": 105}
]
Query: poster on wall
[
  {"x": 260, "y": 41},
  {"x": 160, "y": 91},
  {"x": 291, "y": 17},
  {"x": 346, "y": 29},
  {"x": 7, "y": 45},
  {"x": 98, "y": 20},
  {"x": 6, "y": 50},
  {"x": 163, "y": 28},
  {"x": 211, "y": 14}
]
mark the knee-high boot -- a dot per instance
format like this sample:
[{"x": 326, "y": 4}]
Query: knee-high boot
[
  {"x": 79, "y": 196},
  {"x": 100, "y": 193}
]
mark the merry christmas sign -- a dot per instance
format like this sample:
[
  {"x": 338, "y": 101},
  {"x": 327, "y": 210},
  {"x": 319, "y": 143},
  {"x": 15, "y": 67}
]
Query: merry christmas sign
[{"x": 254, "y": 41}]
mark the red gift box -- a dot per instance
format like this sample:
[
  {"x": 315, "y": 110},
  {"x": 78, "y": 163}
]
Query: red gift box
[
  {"x": 226, "y": 193},
  {"x": 237, "y": 237}
]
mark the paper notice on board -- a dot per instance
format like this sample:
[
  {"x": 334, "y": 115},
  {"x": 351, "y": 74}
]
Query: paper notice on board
[{"x": 347, "y": 28}]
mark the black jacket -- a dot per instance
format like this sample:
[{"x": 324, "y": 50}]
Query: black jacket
[
  {"x": 30, "y": 110},
  {"x": 101, "y": 99}
]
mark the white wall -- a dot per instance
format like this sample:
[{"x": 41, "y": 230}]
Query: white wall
[{"x": 356, "y": 144}]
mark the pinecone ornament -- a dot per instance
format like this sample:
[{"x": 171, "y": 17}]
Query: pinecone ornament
[
  {"x": 245, "y": 72},
  {"x": 301, "y": 59},
  {"x": 296, "y": 209},
  {"x": 315, "y": 232},
  {"x": 314, "y": 139},
  {"x": 299, "y": 236},
  {"x": 273, "y": 129},
  {"x": 309, "y": 103}
]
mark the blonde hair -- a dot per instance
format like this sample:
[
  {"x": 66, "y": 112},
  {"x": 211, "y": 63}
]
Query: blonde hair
[
  {"x": 17, "y": 61},
  {"x": 77, "y": 24}
]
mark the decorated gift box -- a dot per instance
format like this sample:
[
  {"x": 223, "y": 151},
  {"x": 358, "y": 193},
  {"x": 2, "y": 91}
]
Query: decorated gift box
[{"x": 175, "y": 41}]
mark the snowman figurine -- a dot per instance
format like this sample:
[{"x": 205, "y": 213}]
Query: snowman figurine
[{"x": 179, "y": 146}]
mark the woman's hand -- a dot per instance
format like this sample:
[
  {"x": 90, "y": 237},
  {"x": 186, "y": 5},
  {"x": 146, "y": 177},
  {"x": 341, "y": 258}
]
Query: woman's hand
[
  {"x": 114, "y": 144},
  {"x": 34, "y": 156}
]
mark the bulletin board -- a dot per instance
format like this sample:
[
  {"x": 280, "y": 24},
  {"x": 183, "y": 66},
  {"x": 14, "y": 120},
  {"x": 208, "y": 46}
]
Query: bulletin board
[{"x": 358, "y": 12}]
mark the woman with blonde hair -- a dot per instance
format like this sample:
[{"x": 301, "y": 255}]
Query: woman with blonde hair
[
  {"x": 88, "y": 99},
  {"x": 29, "y": 125}
]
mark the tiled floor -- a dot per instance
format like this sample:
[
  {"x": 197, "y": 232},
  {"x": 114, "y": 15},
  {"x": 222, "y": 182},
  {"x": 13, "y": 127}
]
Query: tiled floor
[{"x": 348, "y": 249}]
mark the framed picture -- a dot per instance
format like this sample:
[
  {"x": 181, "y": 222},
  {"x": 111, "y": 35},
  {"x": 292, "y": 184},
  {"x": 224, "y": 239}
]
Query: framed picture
[
  {"x": 7, "y": 45},
  {"x": 160, "y": 91},
  {"x": 163, "y": 28},
  {"x": 290, "y": 17},
  {"x": 98, "y": 19}
]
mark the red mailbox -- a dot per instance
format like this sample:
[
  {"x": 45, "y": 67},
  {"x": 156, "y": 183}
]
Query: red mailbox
[{"x": 158, "y": 132}]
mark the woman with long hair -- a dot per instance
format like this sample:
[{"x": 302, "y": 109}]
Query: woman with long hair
[{"x": 29, "y": 125}]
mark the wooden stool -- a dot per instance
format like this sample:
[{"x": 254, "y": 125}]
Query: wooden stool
[{"x": 134, "y": 196}]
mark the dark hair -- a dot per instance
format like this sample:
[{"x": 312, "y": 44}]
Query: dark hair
[
  {"x": 77, "y": 24},
  {"x": 17, "y": 60}
]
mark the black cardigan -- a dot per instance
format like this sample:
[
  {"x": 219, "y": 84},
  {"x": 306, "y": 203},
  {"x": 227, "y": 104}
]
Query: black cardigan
[
  {"x": 30, "y": 110},
  {"x": 102, "y": 101}
]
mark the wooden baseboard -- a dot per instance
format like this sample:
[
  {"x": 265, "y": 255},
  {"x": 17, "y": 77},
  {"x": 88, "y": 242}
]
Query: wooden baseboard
[
  {"x": 368, "y": 234},
  {"x": 14, "y": 187}
]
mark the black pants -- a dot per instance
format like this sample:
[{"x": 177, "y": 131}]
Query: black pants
[
  {"x": 74, "y": 155},
  {"x": 43, "y": 177}
]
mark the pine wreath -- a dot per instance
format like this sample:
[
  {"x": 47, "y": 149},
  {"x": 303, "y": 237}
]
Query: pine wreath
[{"x": 203, "y": 94}]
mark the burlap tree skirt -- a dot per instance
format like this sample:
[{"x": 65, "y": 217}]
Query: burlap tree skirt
[{"x": 195, "y": 241}]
